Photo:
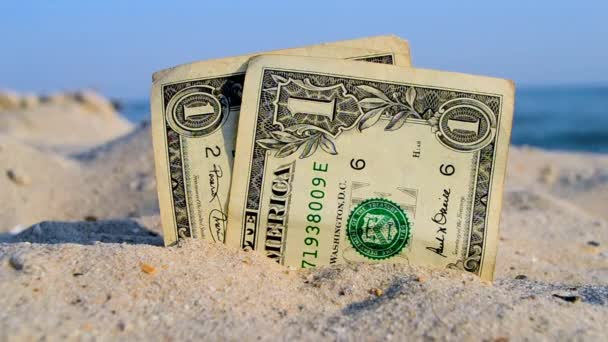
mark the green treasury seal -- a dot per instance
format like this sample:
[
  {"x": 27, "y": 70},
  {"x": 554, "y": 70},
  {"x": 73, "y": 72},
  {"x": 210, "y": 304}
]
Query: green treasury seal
[{"x": 378, "y": 228}]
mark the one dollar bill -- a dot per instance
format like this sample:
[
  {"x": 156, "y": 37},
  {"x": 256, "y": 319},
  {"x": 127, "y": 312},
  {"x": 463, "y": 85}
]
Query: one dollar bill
[
  {"x": 195, "y": 109},
  {"x": 342, "y": 161}
]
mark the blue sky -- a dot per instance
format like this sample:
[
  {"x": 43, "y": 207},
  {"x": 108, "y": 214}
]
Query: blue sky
[{"x": 114, "y": 46}]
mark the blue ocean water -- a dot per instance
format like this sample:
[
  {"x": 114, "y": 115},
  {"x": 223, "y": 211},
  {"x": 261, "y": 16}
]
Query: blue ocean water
[
  {"x": 555, "y": 118},
  {"x": 562, "y": 118}
]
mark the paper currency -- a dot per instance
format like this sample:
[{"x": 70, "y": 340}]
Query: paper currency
[
  {"x": 195, "y": 109},
  {"x": 342, "y": 161}
]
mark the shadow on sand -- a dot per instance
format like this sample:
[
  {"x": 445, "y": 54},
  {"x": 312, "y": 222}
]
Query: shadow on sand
[{"x": 86, "y": 233}]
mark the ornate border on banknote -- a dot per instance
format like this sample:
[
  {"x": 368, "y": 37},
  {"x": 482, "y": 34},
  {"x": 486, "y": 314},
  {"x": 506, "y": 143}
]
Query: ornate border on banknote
[
  {"x": 230, "y": 87},
  {"x": 393, "y": 103}
]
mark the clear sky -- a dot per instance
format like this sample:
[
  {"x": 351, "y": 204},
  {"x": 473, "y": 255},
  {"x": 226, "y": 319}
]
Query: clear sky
[{"x": 115, "y": 45}]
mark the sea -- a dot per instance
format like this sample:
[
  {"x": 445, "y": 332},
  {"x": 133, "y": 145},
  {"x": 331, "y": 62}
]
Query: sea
[{"x": 563, "y": 118}]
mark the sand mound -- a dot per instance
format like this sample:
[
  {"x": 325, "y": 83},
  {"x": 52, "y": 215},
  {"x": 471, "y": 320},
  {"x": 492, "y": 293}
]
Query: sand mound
[
  {"x": 580, "y": 178},
  {"x": 63, "y": 122},
  {"x": 121, "y": 175},
  {"x": 9, "y": 100},
  {"x": 35, "y": 185},
  {"x": 113, "y": 181},
  {"x": 136, "y": 144}
]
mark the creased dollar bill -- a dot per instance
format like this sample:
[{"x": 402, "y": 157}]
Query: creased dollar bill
[
  {"x": 195, "y": 108},
  {"x": 342, "y": 161}
]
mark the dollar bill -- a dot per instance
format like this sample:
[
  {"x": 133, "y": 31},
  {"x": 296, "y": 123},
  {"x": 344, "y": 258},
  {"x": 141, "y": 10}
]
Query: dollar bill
[
  {"x": 342, "y": 161},
  {"x": 195, "y": 108}
]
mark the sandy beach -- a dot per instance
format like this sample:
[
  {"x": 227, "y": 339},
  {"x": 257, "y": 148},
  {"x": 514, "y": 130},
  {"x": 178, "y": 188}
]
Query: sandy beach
[{"x": 81, "y": 253}]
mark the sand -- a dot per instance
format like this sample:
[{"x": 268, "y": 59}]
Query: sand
[
  {"x": 81, "y": 257},
  {"x": 63, "y": 122}
]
